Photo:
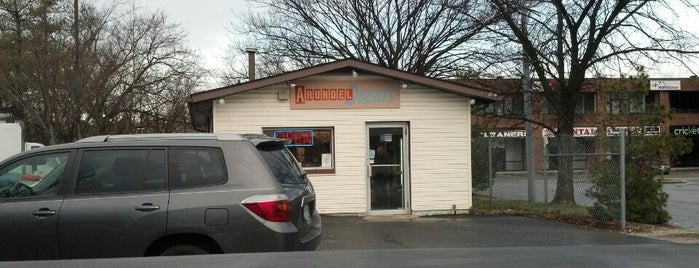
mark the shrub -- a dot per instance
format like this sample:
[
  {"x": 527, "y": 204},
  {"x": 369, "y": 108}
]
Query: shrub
[
  {"x": 645, "y": 199},
  {"x": 479, "y": 159}
]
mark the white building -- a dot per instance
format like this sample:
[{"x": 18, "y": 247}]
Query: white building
[{"x": 373, "y": 140}]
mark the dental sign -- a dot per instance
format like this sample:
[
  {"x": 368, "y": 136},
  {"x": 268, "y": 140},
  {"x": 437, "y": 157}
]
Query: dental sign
[
  {"x": 656, "y": 85},
  {"x": 577, "y": 132},
  {"x": 611, "y": 131},
  {"x": 309, "y": 95}
]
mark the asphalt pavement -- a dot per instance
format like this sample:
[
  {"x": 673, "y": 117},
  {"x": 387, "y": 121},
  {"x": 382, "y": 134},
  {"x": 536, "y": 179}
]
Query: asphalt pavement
[
  {"x": 683, "y": 196},
  {"x": 344, "y": 233},
  {"x": 449, "y": 241}
]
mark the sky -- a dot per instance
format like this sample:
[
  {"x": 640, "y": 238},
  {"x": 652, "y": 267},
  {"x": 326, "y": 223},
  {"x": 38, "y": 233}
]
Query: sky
[{"x": 208, "y": 22}]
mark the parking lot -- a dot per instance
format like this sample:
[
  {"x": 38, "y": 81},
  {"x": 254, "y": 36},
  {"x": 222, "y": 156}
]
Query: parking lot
[
  {"x": 683, "y": 196},
  {"x": 448, "y": 241},
  {"x": 682, "y": 187},
  {"x": 385, "y": 232}
]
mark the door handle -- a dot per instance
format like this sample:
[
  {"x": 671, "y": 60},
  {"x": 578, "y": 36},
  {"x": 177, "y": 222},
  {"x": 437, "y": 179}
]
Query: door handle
[
  {"x": 44, "y": 212},
  {"x": 147, "y": 207}
]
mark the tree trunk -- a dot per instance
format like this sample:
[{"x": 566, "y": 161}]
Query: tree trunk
[{"x": 565, "y": 193}]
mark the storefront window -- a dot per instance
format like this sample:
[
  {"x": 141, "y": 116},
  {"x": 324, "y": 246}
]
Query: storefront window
[{"x": 312, "y": 147}]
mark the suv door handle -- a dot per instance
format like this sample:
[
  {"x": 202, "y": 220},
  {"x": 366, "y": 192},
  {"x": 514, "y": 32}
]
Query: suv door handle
[
  {"x": 44, "y": 212},
  {"x": 147, "y": 207}
]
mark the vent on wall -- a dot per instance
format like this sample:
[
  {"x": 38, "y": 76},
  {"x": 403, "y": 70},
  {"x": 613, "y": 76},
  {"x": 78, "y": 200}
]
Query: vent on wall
[{"x": 283, "y": 94}]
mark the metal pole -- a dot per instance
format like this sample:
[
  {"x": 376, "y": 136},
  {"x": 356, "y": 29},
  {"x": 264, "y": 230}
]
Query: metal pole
[
  {"x": 622, "y": 167},
  {"x": 76, "y": 66},
  {"x": 490, "y": 169},
  {"x": 546, "y": 181},
  {"x": 526, "y": 88}
]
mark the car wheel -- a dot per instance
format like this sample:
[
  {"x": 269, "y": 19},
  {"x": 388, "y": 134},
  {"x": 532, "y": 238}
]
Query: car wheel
[{"x": 179, "y": 250}]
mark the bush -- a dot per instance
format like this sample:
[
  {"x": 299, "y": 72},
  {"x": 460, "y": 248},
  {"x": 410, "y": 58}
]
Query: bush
[
  {"x": 645, "y": 199},
  {"x": 605, "y": 190},
  {"x": 479, "y": 159}
]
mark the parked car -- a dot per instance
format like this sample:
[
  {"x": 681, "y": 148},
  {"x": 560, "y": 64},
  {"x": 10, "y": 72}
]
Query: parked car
[{"x": 156, "y": 194}]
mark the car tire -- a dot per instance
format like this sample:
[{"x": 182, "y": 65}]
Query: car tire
[{"x": 179, "y": 250}]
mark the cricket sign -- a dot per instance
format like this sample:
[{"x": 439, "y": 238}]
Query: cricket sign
[{"x": 345, "y": 95}]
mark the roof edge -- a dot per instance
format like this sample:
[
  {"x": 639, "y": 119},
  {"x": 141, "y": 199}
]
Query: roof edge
[{"x": 439, "y": 84}]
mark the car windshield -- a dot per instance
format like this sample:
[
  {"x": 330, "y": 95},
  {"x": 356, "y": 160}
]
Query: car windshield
[{"x": 283, "y": 165}]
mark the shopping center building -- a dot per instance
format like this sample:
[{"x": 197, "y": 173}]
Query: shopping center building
[{"x": 597, "y": 113}]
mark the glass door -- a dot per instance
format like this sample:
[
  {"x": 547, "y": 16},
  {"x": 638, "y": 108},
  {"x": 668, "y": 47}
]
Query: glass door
[{"x": 387, "y": 168}]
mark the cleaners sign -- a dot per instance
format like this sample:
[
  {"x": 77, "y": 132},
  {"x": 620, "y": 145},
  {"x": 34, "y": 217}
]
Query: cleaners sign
[{"x": 345, "y": 95}]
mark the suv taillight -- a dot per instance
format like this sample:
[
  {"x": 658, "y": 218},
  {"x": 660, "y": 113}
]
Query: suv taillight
[{"x": 275, "y": 208}]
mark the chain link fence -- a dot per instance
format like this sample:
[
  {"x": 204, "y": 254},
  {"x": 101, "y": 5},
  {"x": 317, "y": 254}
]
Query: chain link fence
[{"x": 584, "y": 172}]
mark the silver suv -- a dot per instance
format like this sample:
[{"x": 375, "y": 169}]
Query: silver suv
[{"x": 155, "y": 194}]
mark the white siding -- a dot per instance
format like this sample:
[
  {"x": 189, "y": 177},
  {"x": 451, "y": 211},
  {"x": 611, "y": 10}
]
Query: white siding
[{"x": 439, "y": 132}]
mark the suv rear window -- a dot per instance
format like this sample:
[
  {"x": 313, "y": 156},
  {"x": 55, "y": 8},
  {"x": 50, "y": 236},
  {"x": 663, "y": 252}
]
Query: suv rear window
[
  {"x": 283, "y": 164},
  {"x": 192, "y": 167}
]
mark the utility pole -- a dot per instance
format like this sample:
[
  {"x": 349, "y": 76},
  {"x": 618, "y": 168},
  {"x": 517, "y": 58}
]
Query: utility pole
[
  {"x": 76, "y": 71},
  {"x": 527, "y": 91}
]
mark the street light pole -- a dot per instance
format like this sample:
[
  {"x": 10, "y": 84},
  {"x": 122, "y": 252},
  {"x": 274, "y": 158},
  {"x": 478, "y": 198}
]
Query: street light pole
[{"x": 527, "y": 91}]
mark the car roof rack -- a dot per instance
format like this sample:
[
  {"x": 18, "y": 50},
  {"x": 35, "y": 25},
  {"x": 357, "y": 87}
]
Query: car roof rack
[{"x": 163, "y": 136}]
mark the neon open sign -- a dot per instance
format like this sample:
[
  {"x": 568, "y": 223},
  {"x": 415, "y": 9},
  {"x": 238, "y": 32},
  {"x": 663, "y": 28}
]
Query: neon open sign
[{"x": 297, "y": 137}]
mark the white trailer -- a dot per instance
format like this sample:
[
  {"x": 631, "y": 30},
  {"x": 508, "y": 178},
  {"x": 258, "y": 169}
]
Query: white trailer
[
  {"x": 11, "y": 142},
  {"x": 10, "y": 139}
]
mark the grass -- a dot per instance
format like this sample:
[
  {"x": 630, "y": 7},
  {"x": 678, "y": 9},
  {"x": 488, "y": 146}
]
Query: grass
[
  {"x": 572, "y": 214},
  {"x": 483, "y": 205}
]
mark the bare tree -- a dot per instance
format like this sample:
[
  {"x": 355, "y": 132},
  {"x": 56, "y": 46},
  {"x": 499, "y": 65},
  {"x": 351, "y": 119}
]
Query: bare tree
[
  {"x": 566, "y": 42},
  {"x": 132, "y": 75},
  {"x": 143, "y": 70},
  {"x": 436, "y": 38},
  {"x": 30, "y": 71}
]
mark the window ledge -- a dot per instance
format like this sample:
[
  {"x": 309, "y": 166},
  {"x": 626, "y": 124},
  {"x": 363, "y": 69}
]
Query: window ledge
[{"x": 320, "y": 171}]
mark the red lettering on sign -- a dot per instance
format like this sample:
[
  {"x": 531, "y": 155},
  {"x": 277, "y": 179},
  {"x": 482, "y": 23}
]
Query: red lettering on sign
[
  {"x": 304, "y": 95},
  {"x": 296, "y": 137},
  {"x": 299, "y": 95},
  {"x": 309, "y": 94}
]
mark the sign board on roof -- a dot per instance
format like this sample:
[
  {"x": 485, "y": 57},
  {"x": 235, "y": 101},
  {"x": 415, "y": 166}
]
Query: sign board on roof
[
  {"x": 308, "y": 95},
  {"x": 665, "y": 85}
]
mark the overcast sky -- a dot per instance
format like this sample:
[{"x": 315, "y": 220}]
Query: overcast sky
[{"x": 207, "y": 24}]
